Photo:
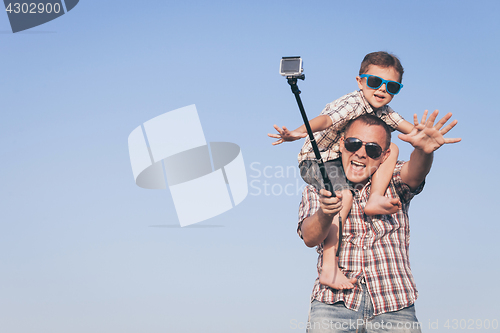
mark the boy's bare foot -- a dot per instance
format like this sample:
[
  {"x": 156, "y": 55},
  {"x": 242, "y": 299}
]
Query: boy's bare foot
[
  {"x": 332, "y": 276},
  {"x": 380, "y": 205}
]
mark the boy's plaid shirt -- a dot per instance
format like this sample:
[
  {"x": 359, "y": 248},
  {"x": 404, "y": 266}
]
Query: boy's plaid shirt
[
  {"x": 341, "y": 111},
  {"x": 375, "y": 248}
]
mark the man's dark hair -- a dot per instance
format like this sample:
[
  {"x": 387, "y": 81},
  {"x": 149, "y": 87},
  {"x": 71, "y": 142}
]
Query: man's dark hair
[
  {"x": 382, "y": 59},
  {"x": 371, "y": 120}
]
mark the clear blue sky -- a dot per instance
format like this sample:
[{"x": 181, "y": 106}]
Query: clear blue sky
[{"x": 79, "y": 248}]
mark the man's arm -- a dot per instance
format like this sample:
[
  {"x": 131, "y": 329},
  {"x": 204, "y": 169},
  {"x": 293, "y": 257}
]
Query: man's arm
[
  {"x": 315, "y": 228},
  {"x": 320, "y": 123},
  {"x": 425, "y": 138}
]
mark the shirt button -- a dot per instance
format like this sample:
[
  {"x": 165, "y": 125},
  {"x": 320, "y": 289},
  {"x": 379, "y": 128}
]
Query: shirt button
[{"x": 364, "y": 247}]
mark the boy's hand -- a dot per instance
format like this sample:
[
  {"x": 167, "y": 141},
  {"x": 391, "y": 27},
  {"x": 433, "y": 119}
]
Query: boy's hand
[
  {"x": 286, "y": 135},
  {"x": 428, "y": 137}
]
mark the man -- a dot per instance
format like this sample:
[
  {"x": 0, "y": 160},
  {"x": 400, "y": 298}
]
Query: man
[{"x": 374, "y": 249}]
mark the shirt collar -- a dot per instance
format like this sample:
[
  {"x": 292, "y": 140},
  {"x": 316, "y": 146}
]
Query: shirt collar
[
  {"x": 369, "y": 108},
  {"x": 359, "y": 191}
]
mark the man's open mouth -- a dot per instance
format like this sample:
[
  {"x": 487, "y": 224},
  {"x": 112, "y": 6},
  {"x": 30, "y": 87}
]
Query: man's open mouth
[{"x": 358, "y": 164}]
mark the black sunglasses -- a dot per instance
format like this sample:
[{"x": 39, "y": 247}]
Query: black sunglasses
[
  {"x": 375, "y": 82},
  {"x": 373, "y": 150}
]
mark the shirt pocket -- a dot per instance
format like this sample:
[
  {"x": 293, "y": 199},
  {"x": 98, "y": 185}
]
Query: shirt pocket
[{"x": 384, "y": 225}]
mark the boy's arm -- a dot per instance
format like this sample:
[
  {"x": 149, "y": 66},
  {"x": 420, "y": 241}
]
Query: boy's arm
[
  {"x": 336, "y": 115},
  {"x": 425, "y": 138},
  {"x": 404, "y": 127},
  {"x": 320, "y": 123}
]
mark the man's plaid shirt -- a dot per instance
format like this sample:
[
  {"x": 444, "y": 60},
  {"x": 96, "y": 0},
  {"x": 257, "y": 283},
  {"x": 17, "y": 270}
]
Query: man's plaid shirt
[
  {"x": 341, "y": 111},
  {"x": 375, "y": 248}
]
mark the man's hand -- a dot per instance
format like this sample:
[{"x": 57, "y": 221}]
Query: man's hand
[
  {"x": 428, "y": 137},
  {"x": 286, "y": 135},
  {"x": 316, "y": 227},
  {"x": 425, "y": 138},
  {"x": 330, "y": 206}
]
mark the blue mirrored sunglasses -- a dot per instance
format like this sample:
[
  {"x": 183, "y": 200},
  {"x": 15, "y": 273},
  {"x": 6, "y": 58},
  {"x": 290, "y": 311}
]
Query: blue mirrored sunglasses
[{"x": 376, "y": 82}]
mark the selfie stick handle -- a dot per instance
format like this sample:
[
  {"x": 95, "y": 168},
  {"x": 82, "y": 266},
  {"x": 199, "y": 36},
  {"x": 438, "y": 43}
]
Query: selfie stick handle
[{"x": 292, "y": 81}]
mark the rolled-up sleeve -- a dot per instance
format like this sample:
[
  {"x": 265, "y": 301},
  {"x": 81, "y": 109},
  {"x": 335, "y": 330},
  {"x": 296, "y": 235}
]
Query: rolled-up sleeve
[
  {"x": 308, "y": 206},
  {"x": 391, "y": 118},
  {"x": 402, "y": 189}
]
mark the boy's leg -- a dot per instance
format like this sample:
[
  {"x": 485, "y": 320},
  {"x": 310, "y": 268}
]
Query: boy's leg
[
  {"x": 330, "y": 274},
  {"x": 378, "y": 203}
]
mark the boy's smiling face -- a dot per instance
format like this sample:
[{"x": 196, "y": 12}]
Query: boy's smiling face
[{"x": 378, "y": 97}]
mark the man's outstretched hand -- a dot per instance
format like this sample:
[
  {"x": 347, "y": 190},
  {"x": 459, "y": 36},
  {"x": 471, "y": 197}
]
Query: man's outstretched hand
[
  {"x": 428, "y": 137},
  {"x": 425, "y": 138},
  {"x": 285, "y": 135}
]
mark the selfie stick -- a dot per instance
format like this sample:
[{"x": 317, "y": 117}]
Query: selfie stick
[{"x": 292, "y": 81}]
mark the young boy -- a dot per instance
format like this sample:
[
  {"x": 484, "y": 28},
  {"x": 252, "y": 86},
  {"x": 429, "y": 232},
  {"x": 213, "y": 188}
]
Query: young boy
[{"x": 379, "y": 80}]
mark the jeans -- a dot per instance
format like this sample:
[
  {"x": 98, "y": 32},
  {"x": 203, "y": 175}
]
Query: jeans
[{"x": 336, "y": 317}]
